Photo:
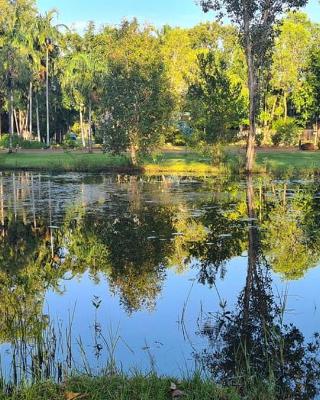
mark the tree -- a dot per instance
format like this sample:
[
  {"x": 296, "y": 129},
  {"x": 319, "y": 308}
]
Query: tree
[
  {"x": 47, "y": 35},
  {"x": 313, "y": 79},
  {"x": 79, "y": 82},
  {"x": 255, "y": 20},
  {"x": 216, "y": 105},
  {"x": 15, "y": 47},
  {"x": 180, "y": 60},
  {"x": 287, "y": 71},
  {"x": 137, "y": 103}
]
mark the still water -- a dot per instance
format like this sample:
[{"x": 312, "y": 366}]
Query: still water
[{"x": 172, "y": 274}]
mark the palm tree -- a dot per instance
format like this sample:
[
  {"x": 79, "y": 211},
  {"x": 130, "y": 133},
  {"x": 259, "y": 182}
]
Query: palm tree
[
  {"x": 16, "y": 43},
  {"x": 48, "y": 35},
  {"x": 79, "y": 79}
]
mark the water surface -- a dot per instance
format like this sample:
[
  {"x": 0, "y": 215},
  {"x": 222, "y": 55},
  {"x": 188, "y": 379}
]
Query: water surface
[{"x": 163, "y": 273}]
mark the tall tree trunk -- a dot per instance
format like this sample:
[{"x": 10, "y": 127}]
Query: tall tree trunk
[
  {"x": 30, "y": 108},
  {"x": 0, "y": 124},
  {"x": 89, "y": 127},
  {"x": 20, "y": 123},
  {"x": 252, "y": 92},
  {"x": 285, "y": 105},
  {"x": 38, "y": 119},
  {"x": 11, "y": 116},
  {"x": 273, "y": 110},
  {"x": 81, "y": 128},
  {"x": 16, "y": 121},
  {"x": 47, "y": 97}
]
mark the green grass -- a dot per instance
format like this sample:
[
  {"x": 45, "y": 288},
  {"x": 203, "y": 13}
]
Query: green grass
[
  {"x": 58, "y": 162},
  {"x": 165, "y": 163},
  {"x": 266, "y": 161},
  {"x": 180, "y": 162},
  {"x": 122, "y": 388},
  {"x": 297, "y": 160}
]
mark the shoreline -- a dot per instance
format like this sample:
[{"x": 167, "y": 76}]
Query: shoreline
[
  {"x": 167, "y": 162},
  {"x": 121, "y": 387}
]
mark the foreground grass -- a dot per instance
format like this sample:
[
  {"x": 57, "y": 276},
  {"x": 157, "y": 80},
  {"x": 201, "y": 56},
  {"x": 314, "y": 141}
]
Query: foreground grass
[{"x": 122, "y": 388}]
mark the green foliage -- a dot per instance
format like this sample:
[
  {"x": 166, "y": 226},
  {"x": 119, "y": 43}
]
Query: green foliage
[
  {"x": 287, "y": 132},
  {"x": 70, "y": 142},
  {"x": 18, "y": 141},
  {"x": 137, "y": 103},
  {"x": 216, "y": 105},
  {"x": 314, "y": 80}
]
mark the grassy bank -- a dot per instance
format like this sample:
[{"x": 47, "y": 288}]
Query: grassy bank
[
  {"x": 181, "y": 162},
  {"x": 122, "y": 388},
  {"x": 166, "y": 163},
  {"x": 64, "y": 161}
]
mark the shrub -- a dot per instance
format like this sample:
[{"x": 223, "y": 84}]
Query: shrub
[
  {"x": 286, "y": 132},
  {"x": 70, "y": 142},
  {"x": 32, "y": 144},
  {"x": 18, "y": 141},
  {"x": 5, "y": 140}
]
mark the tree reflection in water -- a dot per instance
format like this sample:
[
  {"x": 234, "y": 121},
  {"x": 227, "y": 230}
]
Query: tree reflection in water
[{"x": 250, "y": 346}]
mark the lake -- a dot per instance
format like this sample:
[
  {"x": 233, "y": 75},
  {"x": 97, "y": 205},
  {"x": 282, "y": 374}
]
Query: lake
[{"x": 169, "y": 274}]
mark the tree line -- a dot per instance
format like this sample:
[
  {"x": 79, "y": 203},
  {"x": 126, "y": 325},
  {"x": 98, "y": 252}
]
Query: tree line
[{"x": 132, "y": 87}]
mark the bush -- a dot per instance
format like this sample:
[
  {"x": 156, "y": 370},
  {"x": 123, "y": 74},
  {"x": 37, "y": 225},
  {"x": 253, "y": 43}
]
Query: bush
[
  {"x": 32, "y": 144},
  {"x": 286, "y": 132},
  {"x": 70, "y": 142},
  {"x": 5, "y": 140},
  {"x": 18, "y": 141}
]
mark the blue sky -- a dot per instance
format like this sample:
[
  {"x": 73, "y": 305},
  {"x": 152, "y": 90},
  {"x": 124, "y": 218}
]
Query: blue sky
[{"x": 158, "y": 12}]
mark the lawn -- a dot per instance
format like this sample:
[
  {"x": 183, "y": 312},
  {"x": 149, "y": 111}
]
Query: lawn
[
  {"x": 166, "y": 162},
  {"x": 298, "y": 160},
  {"x": 180, "y": 162},
  {"x": 63, "y": 161}
]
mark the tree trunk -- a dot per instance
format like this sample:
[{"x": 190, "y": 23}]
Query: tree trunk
[
  {"x": 38, "y": 120},
  {"x": 89, "y": 128},
  {"x": 20, "y": 123},
  {"x": 11, "y": 116},
  {"x": 252, "y": 93},
  {"x": 47, "y": 97},
  {"x": 133, "y": 155},
  {"x": 81, "y": 128},
  {"x": 273, "y": 110},
  {"x": 30, "y": 109},
  {"x": 16, "y": 121},
  {"x": 285, "y": 105}
]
